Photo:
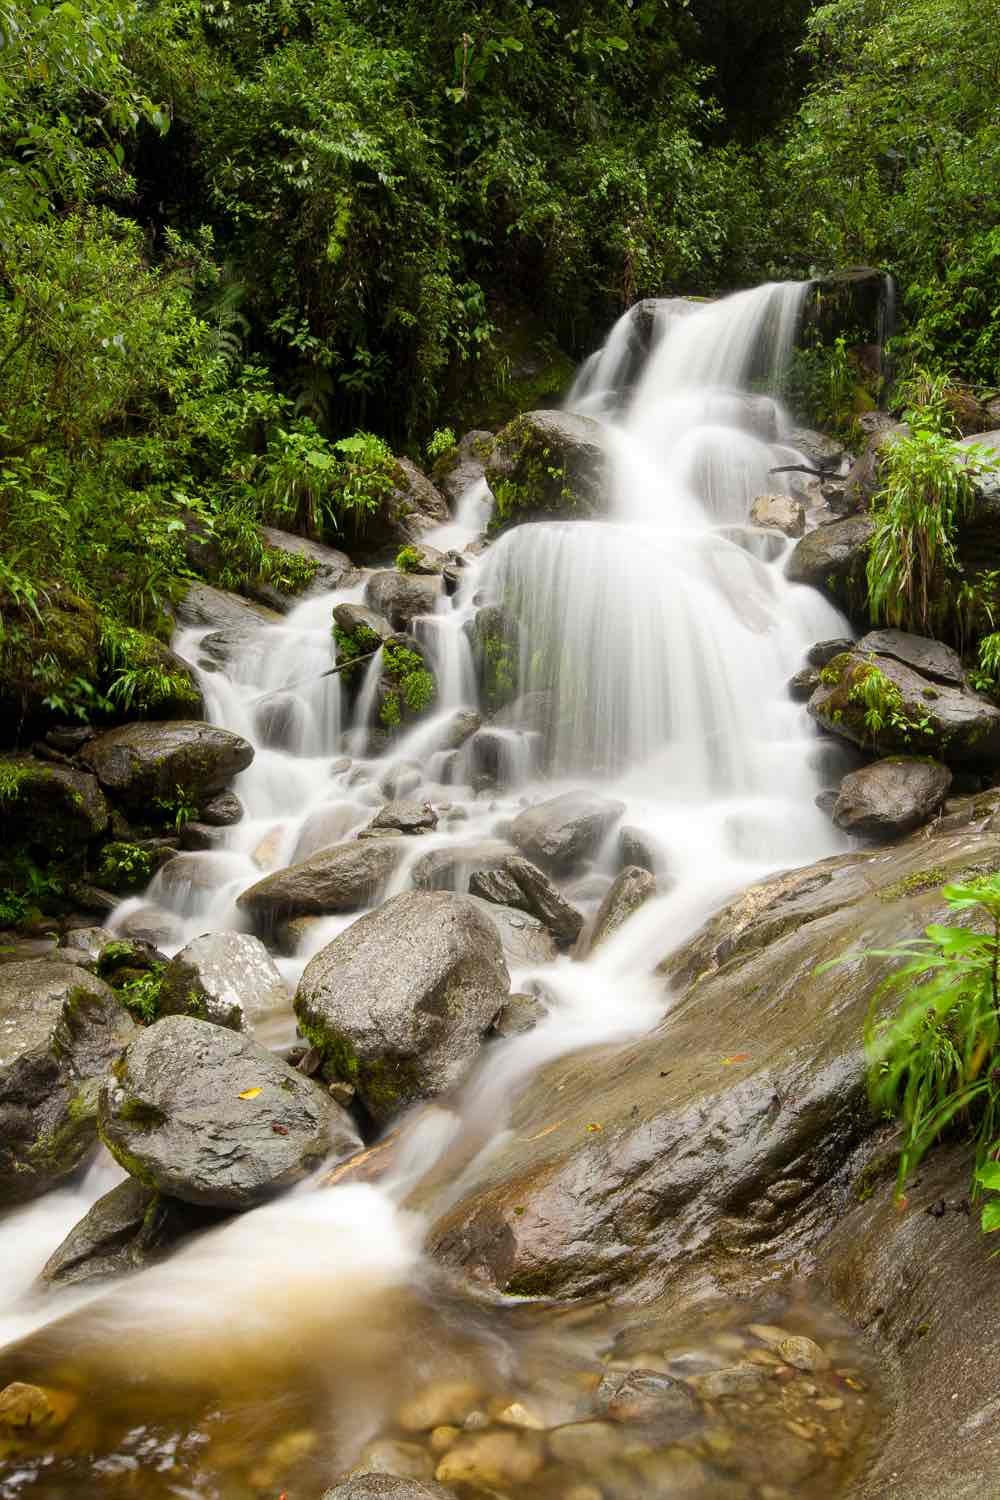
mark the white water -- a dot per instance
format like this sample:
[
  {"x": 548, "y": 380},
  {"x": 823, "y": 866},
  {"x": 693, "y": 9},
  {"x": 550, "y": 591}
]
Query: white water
[{"x": 665, "y": 636}]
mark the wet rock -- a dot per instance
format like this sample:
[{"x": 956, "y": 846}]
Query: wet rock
[
  {"x": 464, "y": 466},
  {"x": 460, "y": 727},
  {"x": 647, "y": 1396},
  {"x": 955, "y": 725},
  {"x": 345, "y": 877},
  {"x": 779, "y": 513},
  {"x": 410, "y": 508},
  {"x": 325, "y": 826},
  {"x": 420, "y": 558},
  {"x": 389, "y": 1456},
  {"x": 864, "y": 475},
  {"x": 403, "y": 817},
  {"x": 401, "y": 1001},
  {"x": 384, "y": 1486},
  {"x": 208, "y": 1116},
  {"x": 802, "y": 686},
  {"x": 732, "y": 1381},
  {"x": 334, "y": 570},
  {"x": 140, "y": 762},
  {"x": 278, "y": 719},
  {"x": 400, "y": 780},
  {"x": 25, "y": 1407},
  {"x": 520, "y": 1014},
  {"x": 452, "y": 867},
  {"x": 351, "y": 618},
  {"x": 824, "y": 651},
  {"x": 442, "y": 1402},
  {"x": 931, "y": 659},
  {"x": 524, "y": 938},
  {"x": 586, "y": 1444},
  {"x": 530, "y": 711},
  {"x": 86, "y": 944},
  {"x": 561, "y": 833},
  {"x": 197, "y": 837},
  {"x": 61, "y": 1029},
  {"x": 228, "y": 978},
  {"x": 803, "y": 1354},
  {"x": 715, "y": 1164},
  {"x": 203, "y": 605},
  {"x": 629, "y": 890},
  {"x": 51, "y": 804},
  {"x": 492, "y": 1458},
  {"x": 514, "y": 881},
  {"x": 493, "y": 634},
  {"x": 126, "y": 1230},
  {"x": 151, "y": 924},
  {"x": 637, "y": 848},
  {"x": 833, "y": 558},
  {"x": 400, "y": 597},
  {"x": 891, "y": 797},
  {"x": 547, "y": 463}
]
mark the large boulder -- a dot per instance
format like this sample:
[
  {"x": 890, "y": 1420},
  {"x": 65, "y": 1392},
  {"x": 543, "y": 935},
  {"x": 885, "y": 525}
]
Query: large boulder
[
  {"x": 399, "y": 1004},
  {"x": 725, "y": 1141},
  {"x": 547, "y": 463},
  {"x": 138, "y": 763},
  {"x": 126, "y": 1230},
  {"x": 399, "y": 597},
  {"x": 214, "y": 609},
  {"x": 61, "y": 1029},
  {"x": 833, "y": 559},
  {"x": 344, "y": 878},
  {"x": 630, "y": 889},
  {"x": 225, "y": 977},
  {"x": 564, "y": 831},
  {"x": 208, "y": 1116},
  {"x": 51, "y": 804},
  {"x": 903, "y": 711},
  {"x": 493, "y": 871},
  {"x": 883, "y": 801},
  {"x": 524, "y": 939},
  {"x": 465, "y": 465},
  {"x": 332, "y": 569}
]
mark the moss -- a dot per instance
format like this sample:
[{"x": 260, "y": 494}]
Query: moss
[
  {"x": 138, "y": 1112},
  {"x": 387, "y": 1084},
  {"x": 340, "y": 1061},
  {"x": 881, "y": 1168},
  {"x": 537, "y": 482},
  {"x": 131, "y": 1164},
  {"x": 912, "y": 885}
]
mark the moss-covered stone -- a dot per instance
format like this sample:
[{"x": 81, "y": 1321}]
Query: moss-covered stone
[
  {"x": 46, "y": 653},
  {"x": 545, "y": 464},
  {"x": 48, "y": 804}
]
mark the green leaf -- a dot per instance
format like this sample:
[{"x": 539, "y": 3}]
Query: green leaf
[
  {"x": 989, "y": 1176},
  {"x": 991, "y": 1217}
]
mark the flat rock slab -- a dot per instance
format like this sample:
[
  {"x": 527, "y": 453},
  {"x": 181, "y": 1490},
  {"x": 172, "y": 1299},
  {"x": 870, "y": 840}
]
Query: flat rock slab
[
  {"x": 399, "y": 1003},
  {"x": 139, "y": 762},
  {"x": 931, "y": 659},
  {"x": 61, "y": 1029},
  {"x": 206, "y": 1115}
]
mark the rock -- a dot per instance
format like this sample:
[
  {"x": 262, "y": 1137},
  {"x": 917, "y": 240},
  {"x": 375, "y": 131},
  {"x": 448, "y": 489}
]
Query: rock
[
  {"x": 547, "y": 463},
  {"x": 208, "y": 1116},
  {"x": 824, "y": 651},
  {"x": 196, "y": 837},
  {"x": 140, "y": 762},
  {"x": 833, "y": 559},
  {"x": 389, "y": 1456},
  {"x": 802, "y": 686},
  {"x": 520, "y": 1014},
  {"x": 352, "y": 618},
  {"x": 151, "y": 924},
  {"x": 400, "y": 780},
  {"x": 61, "y": 1029},
  {"x": 733, "y": 1380},
  {"x": 405, "y": 512},
  {"x": 462, "y": 725},
  {"x": 585, "y": 1444},
  {"x": 564, "y": 831},
  {"x": 493, "y": 635},
  {"x": 401, "y": 1001},
  {"x": 864, "y": 476},
  {"x": 325, "y": 826},
  {"x": 204, "y": 606},
  {"x": 531, "y": 711},
  {"x": 629, "y": 890},
  {"x": 86, "y": 944},
  {"x": 955, "y": 725},
  {"x": 457, "y": 471},
  {"x": 803, "y": 1354},
  {"x": 524, "y": 938},
  {"x": 492, "y": 1458},
  {"x": 403, "y": 817},
  {"x": 334, "y": 570},
  {"x": 228, "y": 978},
  {"x": 418, "y": 557},
  {"x": 891, "y": 797},
  {"x": 278, "y": 719},
  {"x": 128, "y": 1229},
  {"x": 818, "y": 448},
  {"x": 779, "y": 513},
  {"x": 24, "y": 1407},
  {"x": 452, "y": 867},
  {"x": 718, "y": 1170},
  {"x": 647, "y": 1396},
  {"x": 400, "y": 597},
  {"x": 48, "y": 804},
  {"x": 386, "y": 1487},
  {"x": 514, "y": 881},
  {"x": 930, "y": 658},
  {"x": 637, "y": 848},
  {"x": 345, "y": 877}
]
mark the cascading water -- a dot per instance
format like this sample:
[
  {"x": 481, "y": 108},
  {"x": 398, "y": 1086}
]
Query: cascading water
[{"x": 658, "y": 643}]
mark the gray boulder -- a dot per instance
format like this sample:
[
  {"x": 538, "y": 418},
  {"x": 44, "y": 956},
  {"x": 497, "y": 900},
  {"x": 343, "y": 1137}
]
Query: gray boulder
[
  {"x": 216, "y": 609},
  {"x": 208, "y": 1116},
  {"x": 802, "y": 686},
  {"x": 524, "y": 939},
  {"x": 544, "y": 464},
  {"x": 386, "y": 1487},
  {"x": 399, "y": 1004},
  {"x": 61, "y": 1029},
  {"x": 638, "y": 848},
  {"x": 931, "y": 659},
  {"x": 228, "y": 978},
  {"x": 925, "y": 716},
  {"x": 517, "y": 882},
  {"x": 452, "y": 867},
  {"x": 628, "y": 891},
  {"x": 128, "y": 1229},
  {"x": 352, "y": 618},
  {"x": 779, "y": 513},
  {"x": 344, "y": 878},
  {"x": 521, "y": 1013},
  {"x": 402, "y": 596},
  {"x": 833, "y": 558},
  {"x": 564, "y": 831},
  {"x": 891, "y": 797},
  {"x": 334, "y": 570},
  {"x": 222, "y": 810},
  {"x": 140, "y": 762},
  {"x": 401, "y": 817}
]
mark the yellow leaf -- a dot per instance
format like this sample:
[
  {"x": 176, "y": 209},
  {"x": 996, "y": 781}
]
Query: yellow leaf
[
  {"x": 594, "y": 1126},
  {"x": 735, "y": 1057},
  {"x": 250, "y": 1093}
]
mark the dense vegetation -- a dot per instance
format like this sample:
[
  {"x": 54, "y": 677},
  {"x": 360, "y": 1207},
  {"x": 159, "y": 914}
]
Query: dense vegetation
[{"x": 233, "y": 232}]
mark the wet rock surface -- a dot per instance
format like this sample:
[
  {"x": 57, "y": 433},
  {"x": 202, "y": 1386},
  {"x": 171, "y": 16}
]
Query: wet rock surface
[
  {"x": 632, "y": 888},
  {"x": 126, "y": 1230},
  {"x": 228, "y": 978},
  {"x": 400, "y": 596},
  {"x": 891, "y": 797},
  {"x": 139, "y": 762},
  {"x": 342, "y": 878},
  {"x": 203, "y": 1114},
  {"x": 547, "y": 463},
  {"x": 400, "y": 1002},
  {"x": 51, "y": 803},
  {"x": 561, "y": 833},
  {"x": 61, "y": 1029}
]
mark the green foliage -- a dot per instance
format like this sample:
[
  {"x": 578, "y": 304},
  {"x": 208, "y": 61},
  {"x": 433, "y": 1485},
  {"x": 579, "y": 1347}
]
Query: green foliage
[
  {"x": 124, "y": 866},
  {"x": 176, "y": 810},
  {"x": 932, "y": 1060},
  {"x": 441, "y": 442},
  {"x": 408, "y": 560},
  {"x": 140, "y": 994},
  {"x": 410, "y": 687},
  {"x": 927, "y": 489},
  {"x": 821, "y": 385},
  {"x": 323, "y": 488}
]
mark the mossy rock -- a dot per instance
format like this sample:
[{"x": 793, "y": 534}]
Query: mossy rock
[
  {"x": 145, "y": 761},
  {"x": 50, "y": 805},
  {"x": 547, "y": 464},
  {"x": 46, "y": 655}
]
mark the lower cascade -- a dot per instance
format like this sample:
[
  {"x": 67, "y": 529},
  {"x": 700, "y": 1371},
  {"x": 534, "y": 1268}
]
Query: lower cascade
[{"x": 394, "y": 1256}]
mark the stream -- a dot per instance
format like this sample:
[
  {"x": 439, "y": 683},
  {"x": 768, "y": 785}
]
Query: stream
[{"x": 270, "y": 1355}]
